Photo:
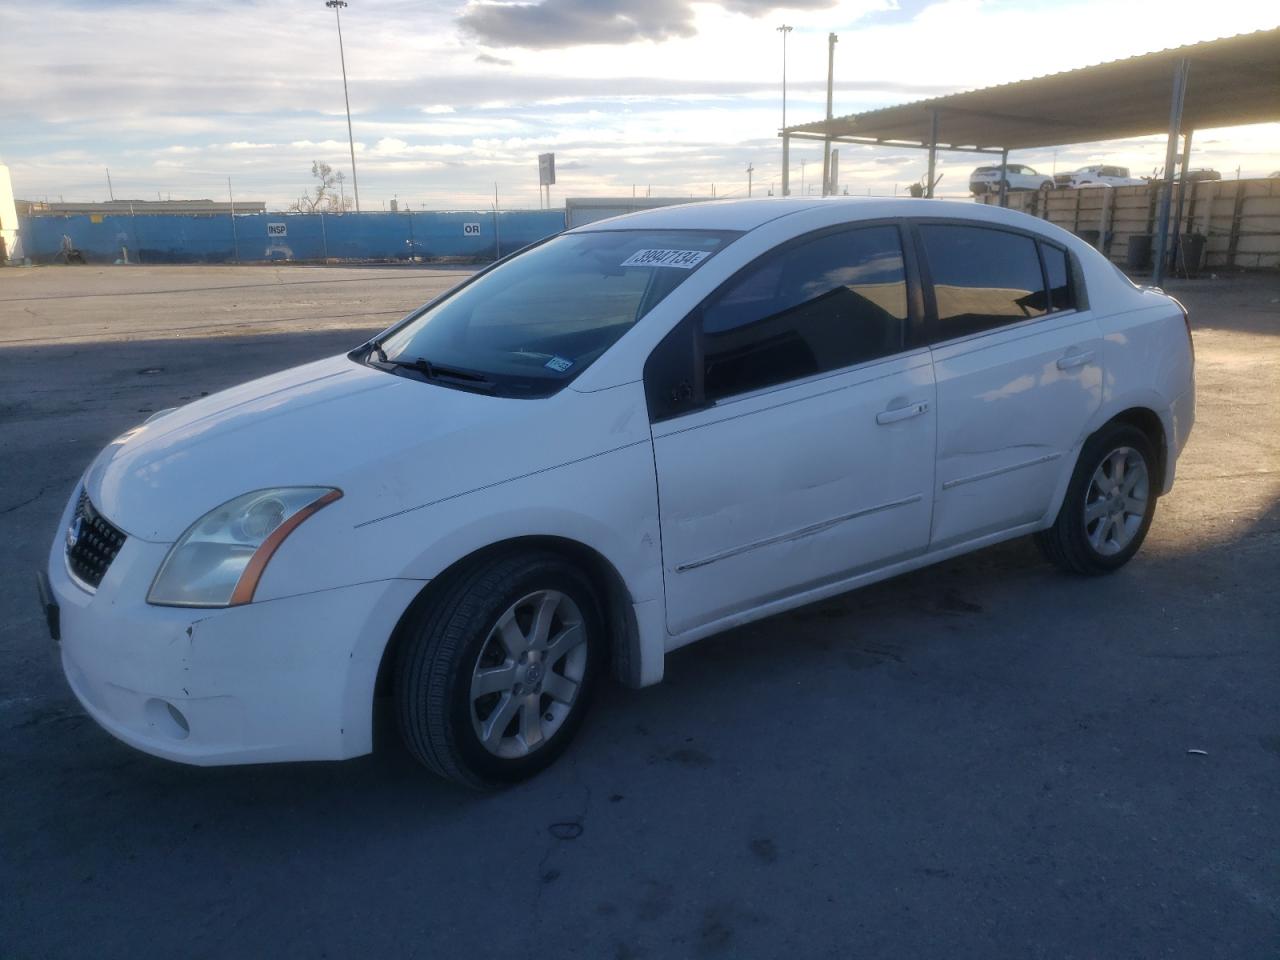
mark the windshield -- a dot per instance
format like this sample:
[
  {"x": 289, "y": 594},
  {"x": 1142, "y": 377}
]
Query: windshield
[{"x": 532, "y": 324}]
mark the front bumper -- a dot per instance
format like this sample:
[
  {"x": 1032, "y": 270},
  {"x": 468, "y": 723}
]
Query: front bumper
[{"x": 287, "y": 679}]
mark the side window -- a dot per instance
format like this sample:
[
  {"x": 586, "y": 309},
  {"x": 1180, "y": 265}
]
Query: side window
[
  {"x": 982, "y": 278},
  {"x": 820, "y": 305},
  {"x": 1058, "y": 269}
]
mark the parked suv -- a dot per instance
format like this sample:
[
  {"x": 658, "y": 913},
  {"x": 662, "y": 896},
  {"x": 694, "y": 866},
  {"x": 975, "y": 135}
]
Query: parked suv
[
  {"x": 616, "y": 442},
  {"x": 1020, "y": 177},
  {"x": 1099, "y": 176}
]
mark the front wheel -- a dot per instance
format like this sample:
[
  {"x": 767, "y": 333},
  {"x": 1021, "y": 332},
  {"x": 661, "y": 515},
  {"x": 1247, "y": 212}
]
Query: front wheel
[
  {"x": 498, "y": 668},
  {"x": 1109, "y": 504}
]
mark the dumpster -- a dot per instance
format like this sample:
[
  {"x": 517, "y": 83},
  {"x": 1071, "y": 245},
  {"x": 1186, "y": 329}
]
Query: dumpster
[
  {"x": 1139, "y": 256},
  {"x": 1190, "y": 253}
]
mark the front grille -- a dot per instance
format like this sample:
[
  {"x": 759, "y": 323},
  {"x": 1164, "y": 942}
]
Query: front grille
[{"x": 92, "y": 542}]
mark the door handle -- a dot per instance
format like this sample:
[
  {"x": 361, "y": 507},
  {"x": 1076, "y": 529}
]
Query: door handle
[
  {"x": 1073, "y": 360},
  {"x": 902, "y": 413}
]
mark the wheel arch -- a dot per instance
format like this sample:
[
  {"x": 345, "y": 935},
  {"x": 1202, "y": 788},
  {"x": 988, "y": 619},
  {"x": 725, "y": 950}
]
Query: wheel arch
[
  {"x": 1148, "y": 421},
  {"x": 1136, "y": 415},
  {"x": 611, "y": 589}
]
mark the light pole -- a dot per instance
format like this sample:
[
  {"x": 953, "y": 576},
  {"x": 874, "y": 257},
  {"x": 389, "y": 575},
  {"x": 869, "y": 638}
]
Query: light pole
[
  {"x": 786, "y": 159},
  {"x": 337, "y": 6},
  {"x": 750, "y": 170},
  {"x": 826, "y": 147},
  {"x": 784, "y": 30}
]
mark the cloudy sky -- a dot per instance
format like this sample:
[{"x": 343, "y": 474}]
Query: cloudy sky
[{"x": 672, "y": 96}]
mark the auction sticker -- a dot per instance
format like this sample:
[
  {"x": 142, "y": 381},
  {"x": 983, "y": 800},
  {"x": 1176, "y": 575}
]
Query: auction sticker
[{"x": 682, "y": 259}]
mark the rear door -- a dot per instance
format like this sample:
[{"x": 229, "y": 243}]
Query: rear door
[
  {"x": 793, "y": 428},
  {"x": 1017, "y": 359}
]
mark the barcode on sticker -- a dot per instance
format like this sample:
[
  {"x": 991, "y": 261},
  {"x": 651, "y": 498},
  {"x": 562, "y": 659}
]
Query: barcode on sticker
[{"x": 684, "y": 259}]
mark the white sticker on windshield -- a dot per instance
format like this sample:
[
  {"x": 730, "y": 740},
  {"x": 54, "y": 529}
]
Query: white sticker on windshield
[
  {"x": 559, "y": 364},
  {"x": 683, "y": 259}
]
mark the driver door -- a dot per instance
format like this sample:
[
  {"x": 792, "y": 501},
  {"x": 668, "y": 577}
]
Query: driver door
[{"x": 796, "y": 447}]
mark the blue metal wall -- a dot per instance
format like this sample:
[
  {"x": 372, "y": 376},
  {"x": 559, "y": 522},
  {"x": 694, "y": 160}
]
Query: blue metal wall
[{"x": 174, "y": 238}]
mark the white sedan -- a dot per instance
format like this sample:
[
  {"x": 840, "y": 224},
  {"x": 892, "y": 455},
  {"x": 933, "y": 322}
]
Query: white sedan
[{"x": 611, "y": 444}]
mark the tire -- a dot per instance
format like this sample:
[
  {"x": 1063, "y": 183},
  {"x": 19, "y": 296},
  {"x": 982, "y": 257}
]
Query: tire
[
  {"x": 480, "y": 632},
  {"x": 1046, "y": 187},
  {"x": 1098, "y": 531}
]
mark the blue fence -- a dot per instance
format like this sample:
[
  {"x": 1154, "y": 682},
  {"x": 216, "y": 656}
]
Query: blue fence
[{"x": 175, "y": 238}]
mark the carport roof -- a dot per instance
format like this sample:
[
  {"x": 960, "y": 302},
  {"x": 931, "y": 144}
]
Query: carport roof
[{"x": 1232, "y": 81}]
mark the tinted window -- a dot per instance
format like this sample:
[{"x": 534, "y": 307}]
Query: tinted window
[
  {"x": 532, "y": 324},
  {"x": 820, "y": 305},
  {"x": 982, "y": 278},
  {"x": 1058, "y": 269}
]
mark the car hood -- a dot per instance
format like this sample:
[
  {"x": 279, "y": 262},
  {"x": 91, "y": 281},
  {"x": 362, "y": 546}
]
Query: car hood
[{"x": 388, "y": 442}]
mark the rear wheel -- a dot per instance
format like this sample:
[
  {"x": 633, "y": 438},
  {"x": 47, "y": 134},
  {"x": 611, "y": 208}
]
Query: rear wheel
[
  {"x": 1109, "y": 504},
  {"x": 498, "y": 669}
]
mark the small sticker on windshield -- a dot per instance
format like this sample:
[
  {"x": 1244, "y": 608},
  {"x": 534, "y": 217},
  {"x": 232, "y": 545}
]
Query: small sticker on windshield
[
  {"x": 681, "y": 259},
  {"x": 559, "y": 364}
]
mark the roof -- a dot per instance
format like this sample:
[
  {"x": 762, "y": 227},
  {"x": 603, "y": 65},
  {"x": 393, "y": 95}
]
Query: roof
[
  {"x": 1232, "y": 81},
  {"x": 707, "y": 215},
  {"x": 746, "y": 215}
]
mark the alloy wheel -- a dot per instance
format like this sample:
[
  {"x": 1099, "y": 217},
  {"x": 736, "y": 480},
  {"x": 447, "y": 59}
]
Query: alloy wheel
[
  {"x": 1116, "y": 501},
  {"x": 528, "y": 674}
]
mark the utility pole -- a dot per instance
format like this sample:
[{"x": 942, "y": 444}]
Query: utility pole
[
  {"x": 337, "y": 6},
  {"x": 803, "y": 164},
  {"x": 111, "y": 192},
  {"x": 750, "y": 170},
  {"x": 827, "y": 186},
  {"x": 784, "y": 30}
]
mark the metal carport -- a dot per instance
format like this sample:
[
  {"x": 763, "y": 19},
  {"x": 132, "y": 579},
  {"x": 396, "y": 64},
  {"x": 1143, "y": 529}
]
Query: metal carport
[{"x": 1219, "y": 83}]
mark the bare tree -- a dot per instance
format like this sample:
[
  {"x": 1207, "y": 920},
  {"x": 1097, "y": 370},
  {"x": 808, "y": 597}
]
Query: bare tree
[{"x": 326, "y": 195}]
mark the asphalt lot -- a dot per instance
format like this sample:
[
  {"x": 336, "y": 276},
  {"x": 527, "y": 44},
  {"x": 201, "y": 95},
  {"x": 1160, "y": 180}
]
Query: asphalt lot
[{"x": 983, "y": 759}]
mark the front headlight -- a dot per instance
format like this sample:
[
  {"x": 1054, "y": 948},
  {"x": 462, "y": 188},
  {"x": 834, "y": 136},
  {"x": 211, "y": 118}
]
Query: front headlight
[{"x": 219, "y": 560}]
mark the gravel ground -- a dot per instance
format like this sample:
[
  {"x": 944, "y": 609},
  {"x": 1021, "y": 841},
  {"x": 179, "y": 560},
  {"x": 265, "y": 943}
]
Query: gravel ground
[{"x": 982, "y": 759}]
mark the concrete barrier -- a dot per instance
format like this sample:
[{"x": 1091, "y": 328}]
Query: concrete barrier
[{"x": 1239, "y": 219}]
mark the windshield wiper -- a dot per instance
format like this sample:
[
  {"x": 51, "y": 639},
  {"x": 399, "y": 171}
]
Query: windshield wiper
[{"x": 455, "y": 376}]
